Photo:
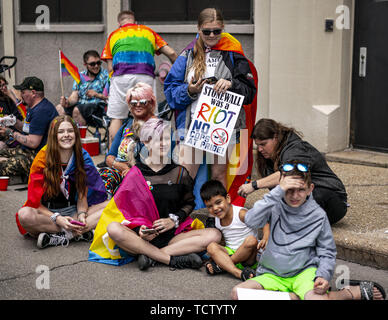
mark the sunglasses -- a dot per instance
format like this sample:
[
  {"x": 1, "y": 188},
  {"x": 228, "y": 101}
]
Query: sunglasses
[
  {"x": 142, "y": 102},
  {"x": 93, "y": 64},
  {"x": 207, "y": 32},
  {"x": 301, "y": 167}
]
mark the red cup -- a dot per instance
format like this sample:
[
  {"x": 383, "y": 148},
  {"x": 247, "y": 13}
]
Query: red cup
[
  {"x": 82, "y": 131},
  {"x": 4, "y": 183}
]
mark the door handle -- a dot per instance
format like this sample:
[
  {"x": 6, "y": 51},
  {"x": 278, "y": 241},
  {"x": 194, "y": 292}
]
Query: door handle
[{"x": 362, "y": 68}]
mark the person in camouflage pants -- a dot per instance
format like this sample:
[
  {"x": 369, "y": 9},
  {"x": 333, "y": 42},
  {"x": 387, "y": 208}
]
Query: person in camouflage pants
[{"x": 16, "y": 161}]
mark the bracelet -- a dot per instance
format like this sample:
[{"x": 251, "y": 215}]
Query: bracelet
[
  {"x": 175, "y": 219},
  {"x": 254, "y": 185},
  {"x": 83, "y": 212}
]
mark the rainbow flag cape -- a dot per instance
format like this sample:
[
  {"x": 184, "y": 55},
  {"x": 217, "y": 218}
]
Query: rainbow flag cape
[
  {"x": 96, "y": 188},
  {"x": 240, "y": 168},
  {"x": 132, "y": 205},
  {"x": 241, "y": 162},
  {"x": 69, "y": 69}
]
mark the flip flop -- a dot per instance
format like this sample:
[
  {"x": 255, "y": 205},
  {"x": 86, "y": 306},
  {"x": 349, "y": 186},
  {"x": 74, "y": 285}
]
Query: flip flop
[
  {"x": 366, "y": 288},
  {"x": 247, "y": 273},
  {"x": 216, "y": 268}
]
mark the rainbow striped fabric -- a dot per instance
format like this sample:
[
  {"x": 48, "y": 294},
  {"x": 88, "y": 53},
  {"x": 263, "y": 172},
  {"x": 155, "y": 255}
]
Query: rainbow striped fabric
[
  {"x": 132, "y": 48},
  {"x": 69, "y": 69}
]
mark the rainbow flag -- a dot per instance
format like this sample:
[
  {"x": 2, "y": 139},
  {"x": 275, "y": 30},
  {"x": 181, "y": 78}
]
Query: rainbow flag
[
  {"x": 22, "y": 109},
  {"x": 69, "y": 69}
]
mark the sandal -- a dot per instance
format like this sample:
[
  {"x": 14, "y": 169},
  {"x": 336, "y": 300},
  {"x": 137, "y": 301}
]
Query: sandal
[
  {"x": 247, "y": 273},
  {"x": 366, "y": 288},
  {"x": 216, "y": 268}
]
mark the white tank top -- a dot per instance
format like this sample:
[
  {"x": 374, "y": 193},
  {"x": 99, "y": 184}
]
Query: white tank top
[{"x": 236, "y": 232}]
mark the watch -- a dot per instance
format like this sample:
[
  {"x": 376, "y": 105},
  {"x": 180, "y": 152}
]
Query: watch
[
  {"x": 174, "y": 218},
  {"x": 54, "y": 217},
  {"x": 254, "y": 185}
]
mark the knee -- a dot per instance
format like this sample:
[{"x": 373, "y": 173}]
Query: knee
[
  {"x": 115, "y": 231},
  {"x": 213, "y": 235},
  {"x": 27, "y": 217},
  {"x": 250, "y": 242},
  {"x": 233, "y": 294},
  {"x": 212, "y": 247}
]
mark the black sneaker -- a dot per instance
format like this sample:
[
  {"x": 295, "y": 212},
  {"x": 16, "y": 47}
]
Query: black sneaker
[
  {"x": 145, "y": 262},
  {"x": 87, "y": 236},
  {"x": 50, "y": 239},
  {"x": 191, "y": 260}
]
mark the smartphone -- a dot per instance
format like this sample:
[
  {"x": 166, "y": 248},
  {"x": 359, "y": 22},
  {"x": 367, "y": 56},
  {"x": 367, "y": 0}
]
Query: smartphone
[
  {"x": 77, "y": 223},
  {"x": 149, "y": 231},
  {"x": 211, "y": 80}
]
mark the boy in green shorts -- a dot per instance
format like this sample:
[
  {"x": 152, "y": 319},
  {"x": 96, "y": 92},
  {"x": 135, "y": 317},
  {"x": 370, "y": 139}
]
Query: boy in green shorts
[
  {"x": 239, "y": 255},
  {"x": 301, "y": 253}
]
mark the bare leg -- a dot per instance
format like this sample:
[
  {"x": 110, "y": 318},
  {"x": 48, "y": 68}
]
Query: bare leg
[
  {"x": 192, "y": 241},
  {"x": 94, "y": 214},
  {"x": 114, "y": 126},
  {"x": 34, "y": 222},
  {"x": 130, "y": 241},
  {"x": 244, "y": 253}
]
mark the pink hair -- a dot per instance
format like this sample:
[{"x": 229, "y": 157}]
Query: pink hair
[{"x": 142, "y": 91}]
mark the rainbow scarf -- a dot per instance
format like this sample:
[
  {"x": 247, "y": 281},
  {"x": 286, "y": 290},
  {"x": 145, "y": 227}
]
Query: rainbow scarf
[
  {"x": 132, "y": 205},
  {"x": 240, "y": 166}
]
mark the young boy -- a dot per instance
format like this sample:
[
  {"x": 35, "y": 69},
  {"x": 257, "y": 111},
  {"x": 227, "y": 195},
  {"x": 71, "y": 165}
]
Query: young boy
[
  {"x": 241, "y": 241},
  {"x": 300, "y": 255}
]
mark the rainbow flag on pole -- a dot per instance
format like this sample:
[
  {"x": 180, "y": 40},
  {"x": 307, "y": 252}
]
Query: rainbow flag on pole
[{"x": 69, "y": 69}]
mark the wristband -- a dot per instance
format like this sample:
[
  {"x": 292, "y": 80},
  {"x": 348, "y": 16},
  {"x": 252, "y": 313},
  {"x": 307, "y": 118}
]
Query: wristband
[
  {"x": 175, "y": 219},
  {"x": 254, "y": 185},
  {"x": 83, "y": 212}
]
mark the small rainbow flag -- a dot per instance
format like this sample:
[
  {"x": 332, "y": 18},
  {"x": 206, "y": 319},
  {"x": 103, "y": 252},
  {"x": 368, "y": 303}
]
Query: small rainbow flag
[{"x": 69, "y": 69}]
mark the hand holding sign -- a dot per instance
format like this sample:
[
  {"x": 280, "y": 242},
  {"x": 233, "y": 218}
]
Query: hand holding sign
[{"x": 214, "y": 119}]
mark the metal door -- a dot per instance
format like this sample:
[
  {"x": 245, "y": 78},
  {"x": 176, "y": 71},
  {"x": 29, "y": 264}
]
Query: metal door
[{"x": 369, "y": 123}]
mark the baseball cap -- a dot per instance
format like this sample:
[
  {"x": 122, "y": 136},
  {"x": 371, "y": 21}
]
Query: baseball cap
[{"x": 30, "y": 83}]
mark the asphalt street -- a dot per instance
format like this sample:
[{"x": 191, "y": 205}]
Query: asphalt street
[{"x": 64, "y": 273}]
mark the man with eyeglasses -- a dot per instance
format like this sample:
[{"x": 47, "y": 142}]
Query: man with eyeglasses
[{"x": 87, "y": 98}]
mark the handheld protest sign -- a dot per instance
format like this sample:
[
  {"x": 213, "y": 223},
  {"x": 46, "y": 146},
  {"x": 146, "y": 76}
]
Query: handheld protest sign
[{"x": 213, "y": 122}]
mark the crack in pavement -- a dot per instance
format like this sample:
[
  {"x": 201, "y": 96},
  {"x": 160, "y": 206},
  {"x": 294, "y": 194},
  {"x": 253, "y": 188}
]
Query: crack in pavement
[{"x": 34, "y": 273}]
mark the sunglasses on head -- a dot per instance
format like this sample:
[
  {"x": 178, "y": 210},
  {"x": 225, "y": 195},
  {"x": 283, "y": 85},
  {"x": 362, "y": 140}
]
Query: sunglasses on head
[
  {"x": 301, "y": 167},
  {"x": 142, "y": 102},
  {"x": 93, "y": 64},
  {"x": 207, "y": 32}
]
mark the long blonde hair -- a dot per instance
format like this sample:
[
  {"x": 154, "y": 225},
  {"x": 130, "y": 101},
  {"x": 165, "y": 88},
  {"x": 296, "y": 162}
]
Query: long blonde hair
[{"x": 199, "y": 64}]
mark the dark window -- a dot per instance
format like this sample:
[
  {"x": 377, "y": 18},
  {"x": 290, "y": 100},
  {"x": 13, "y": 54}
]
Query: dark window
[
  {"x": 63, "y": 11},
  {"x": 186, "y": 11}
]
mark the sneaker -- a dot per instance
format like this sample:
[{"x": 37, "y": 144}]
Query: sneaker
[
  {"x": 191, "y": 260},
  {"x": 87, "y": 236},
  {"x": 145, "y": 262},
  {"x": 51, "y": 239}
]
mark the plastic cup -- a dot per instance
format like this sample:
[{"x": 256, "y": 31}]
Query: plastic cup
[
  {"x": 82, "y": 131},
  {"x": 4, "y": 183}
]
